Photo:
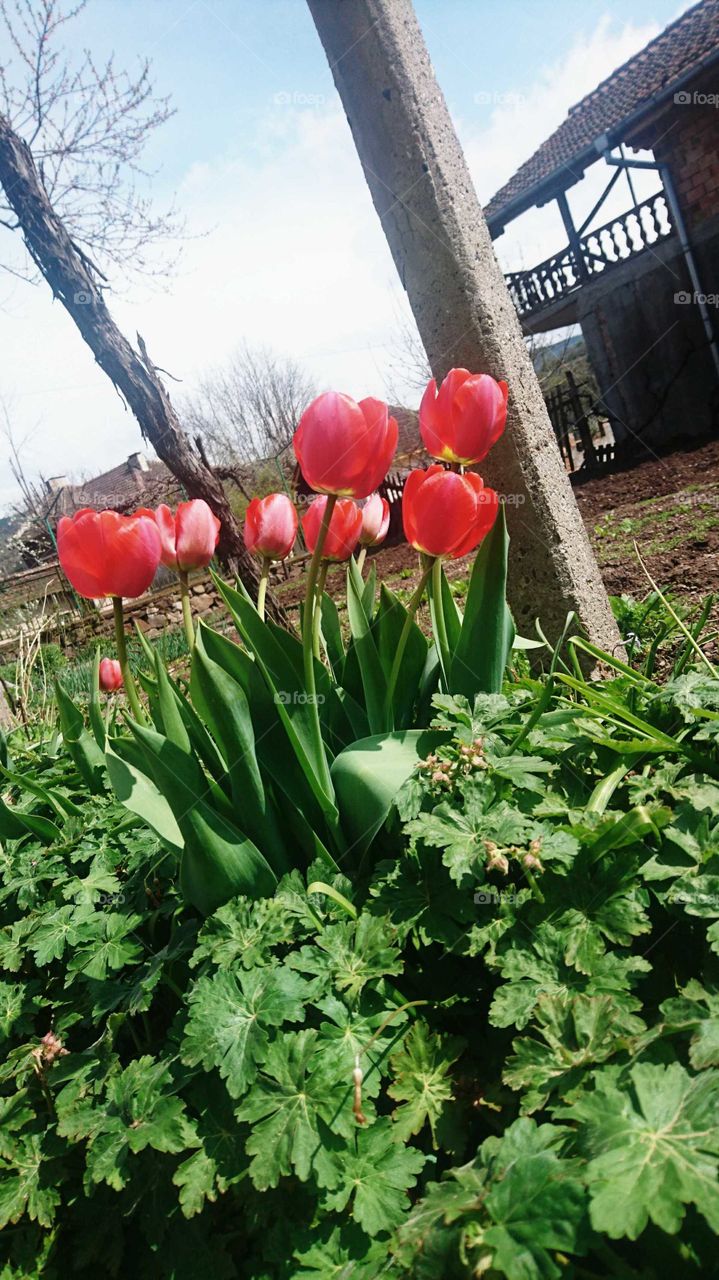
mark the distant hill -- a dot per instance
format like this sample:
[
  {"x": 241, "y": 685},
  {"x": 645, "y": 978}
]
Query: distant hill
[{"x": 565, "y": 349}]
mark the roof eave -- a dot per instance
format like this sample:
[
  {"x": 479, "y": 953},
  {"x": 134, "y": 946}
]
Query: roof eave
[{"x": 555, "y": 182}]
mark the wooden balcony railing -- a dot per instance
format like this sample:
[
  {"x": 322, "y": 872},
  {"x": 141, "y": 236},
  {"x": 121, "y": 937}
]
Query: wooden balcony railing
[{"x": 624, "y": 237}]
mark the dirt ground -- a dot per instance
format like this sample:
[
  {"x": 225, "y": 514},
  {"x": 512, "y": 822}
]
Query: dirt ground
[{"x": 668, "y": 505}]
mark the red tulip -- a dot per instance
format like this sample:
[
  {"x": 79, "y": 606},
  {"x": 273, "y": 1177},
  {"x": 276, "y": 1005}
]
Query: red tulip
[
  {"x": 271, "y": 526},
  {"x": 189, "y": 537},
  {"x": 344, "y": 447},
  {"x": 110, "y": 675},
  {"x": 447, "y": 514},
  {"x": 343, "y": 533},
  {"x": 375, "y": 521},
  {"x": 461, "y": 421},
  {"x": 106, "y": 554}
]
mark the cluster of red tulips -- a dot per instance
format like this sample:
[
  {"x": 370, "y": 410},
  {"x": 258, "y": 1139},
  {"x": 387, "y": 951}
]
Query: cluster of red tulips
[{"x": 344, "y": 449}]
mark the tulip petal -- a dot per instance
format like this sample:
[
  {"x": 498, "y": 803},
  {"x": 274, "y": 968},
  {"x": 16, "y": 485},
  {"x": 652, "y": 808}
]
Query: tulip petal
[
  {"x": 132, "y": 548},
  {"x": 326, "y": 442},
  {"x": 479, "y": 413},
  {"x": 81, "y": 554},
  {"x": 429, "y": 422},
  {"x": 484, "y": 518},
  {"x": 197, "y": 532}
]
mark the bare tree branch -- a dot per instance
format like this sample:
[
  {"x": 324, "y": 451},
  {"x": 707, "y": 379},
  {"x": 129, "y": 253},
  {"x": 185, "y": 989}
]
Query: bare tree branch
[
  {"x": 87, "y": 126},
  {"x": 249, "y": 408},
  {"x": 75, "y": 285}
]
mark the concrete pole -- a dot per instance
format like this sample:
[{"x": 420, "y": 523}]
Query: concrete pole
[{"x": 422, "y": 191}]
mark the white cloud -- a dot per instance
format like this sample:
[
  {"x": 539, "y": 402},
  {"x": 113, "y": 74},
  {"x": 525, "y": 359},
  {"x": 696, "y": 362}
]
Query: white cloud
[
  {"x": 517, "y": 127},
  {"x": 293, "y": 256},
  {"x": 287, "y": 251}
]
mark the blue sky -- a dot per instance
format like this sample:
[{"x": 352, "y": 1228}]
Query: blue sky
[{"x": 286, "y": 247}]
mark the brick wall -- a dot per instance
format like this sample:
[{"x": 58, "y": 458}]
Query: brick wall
[{"x": 689, "y": 144}]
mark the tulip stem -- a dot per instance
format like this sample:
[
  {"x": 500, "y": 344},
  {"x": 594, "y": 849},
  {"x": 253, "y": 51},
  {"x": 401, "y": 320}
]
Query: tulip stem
[
  {"x": 426, "y": 564},
  {"x": 317, "y": 614},
  {"x": 440, "y": 625},
  {"x": 361, "y": 558},
  {"x": 121, "y": 646},
  {"x": 307, "y": 629},
  {"x": 262, "y": 588},
  {"x": 187, "y": 610}
]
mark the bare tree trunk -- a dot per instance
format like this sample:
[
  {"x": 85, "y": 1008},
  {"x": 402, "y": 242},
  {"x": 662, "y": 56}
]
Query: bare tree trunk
[
  {"x": 423, "y": 193},
  {"x": 74, "y": 280}
]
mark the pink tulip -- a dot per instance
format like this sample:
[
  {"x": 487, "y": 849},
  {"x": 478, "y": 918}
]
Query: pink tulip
[
  {"x": 375, "y": 521},
  {"x": 110, "y": 675},
  {"x": 189, "y": 537},
  {"x": 271, "y": 526}
]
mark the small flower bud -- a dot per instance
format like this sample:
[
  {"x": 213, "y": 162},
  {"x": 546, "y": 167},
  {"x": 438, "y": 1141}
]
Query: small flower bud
[
  {"x": 531, "y": 862},
  {"x": 498, "y": 862}
]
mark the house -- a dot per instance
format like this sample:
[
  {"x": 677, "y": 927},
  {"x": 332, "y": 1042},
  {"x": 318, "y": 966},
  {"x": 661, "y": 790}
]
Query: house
[
  {"x": 136, "y": 482},
  {"x": 644, "y": 284}
]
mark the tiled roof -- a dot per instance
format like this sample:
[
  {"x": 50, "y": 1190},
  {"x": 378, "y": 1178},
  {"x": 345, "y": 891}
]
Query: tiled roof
[
  {"x": 669, "y": 60},
  {"x": 123, "y": 488},
  {"x": 409, "y": 441}
]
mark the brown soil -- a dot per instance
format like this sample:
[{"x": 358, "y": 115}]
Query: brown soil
[{"x": 668, "y": 506}]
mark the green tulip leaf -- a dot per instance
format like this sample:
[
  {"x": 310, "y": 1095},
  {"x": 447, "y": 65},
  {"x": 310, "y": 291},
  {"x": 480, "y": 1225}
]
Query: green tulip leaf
[
  {"x": 391, "y": 618},
  {"x": 364, "y": 643},
  {"x": 84, "y": 751},
  {"x": 279, "y": 659},
  {"x": 367, "y": 776},
  {"x": 138, "y": 792},
  {"x": 482, "y": 650}
]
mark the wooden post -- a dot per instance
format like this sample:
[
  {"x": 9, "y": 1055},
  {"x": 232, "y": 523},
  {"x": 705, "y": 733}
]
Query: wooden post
[
  {"x": 439, "y": 240},
  {"x": 580, "y": 421},
  {"x": 572, "y": 235}
]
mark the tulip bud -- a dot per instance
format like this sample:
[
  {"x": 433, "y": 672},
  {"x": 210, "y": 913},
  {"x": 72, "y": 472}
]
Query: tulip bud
[
  {"x": 189, "y": 537},
  {"x": 110, "y": 675},
  {"x": 446, "y": 514},
  {"x": 344, "y": 447},
  {"x": 343, "y": 532},
  {"x": 460, "y": 422},
  {"x": 271, "y": 526},
  {"x": 375, "y": 521}
]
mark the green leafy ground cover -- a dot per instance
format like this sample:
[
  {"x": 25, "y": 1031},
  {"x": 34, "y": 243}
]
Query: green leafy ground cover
[{"x": 527, "y": 978}]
